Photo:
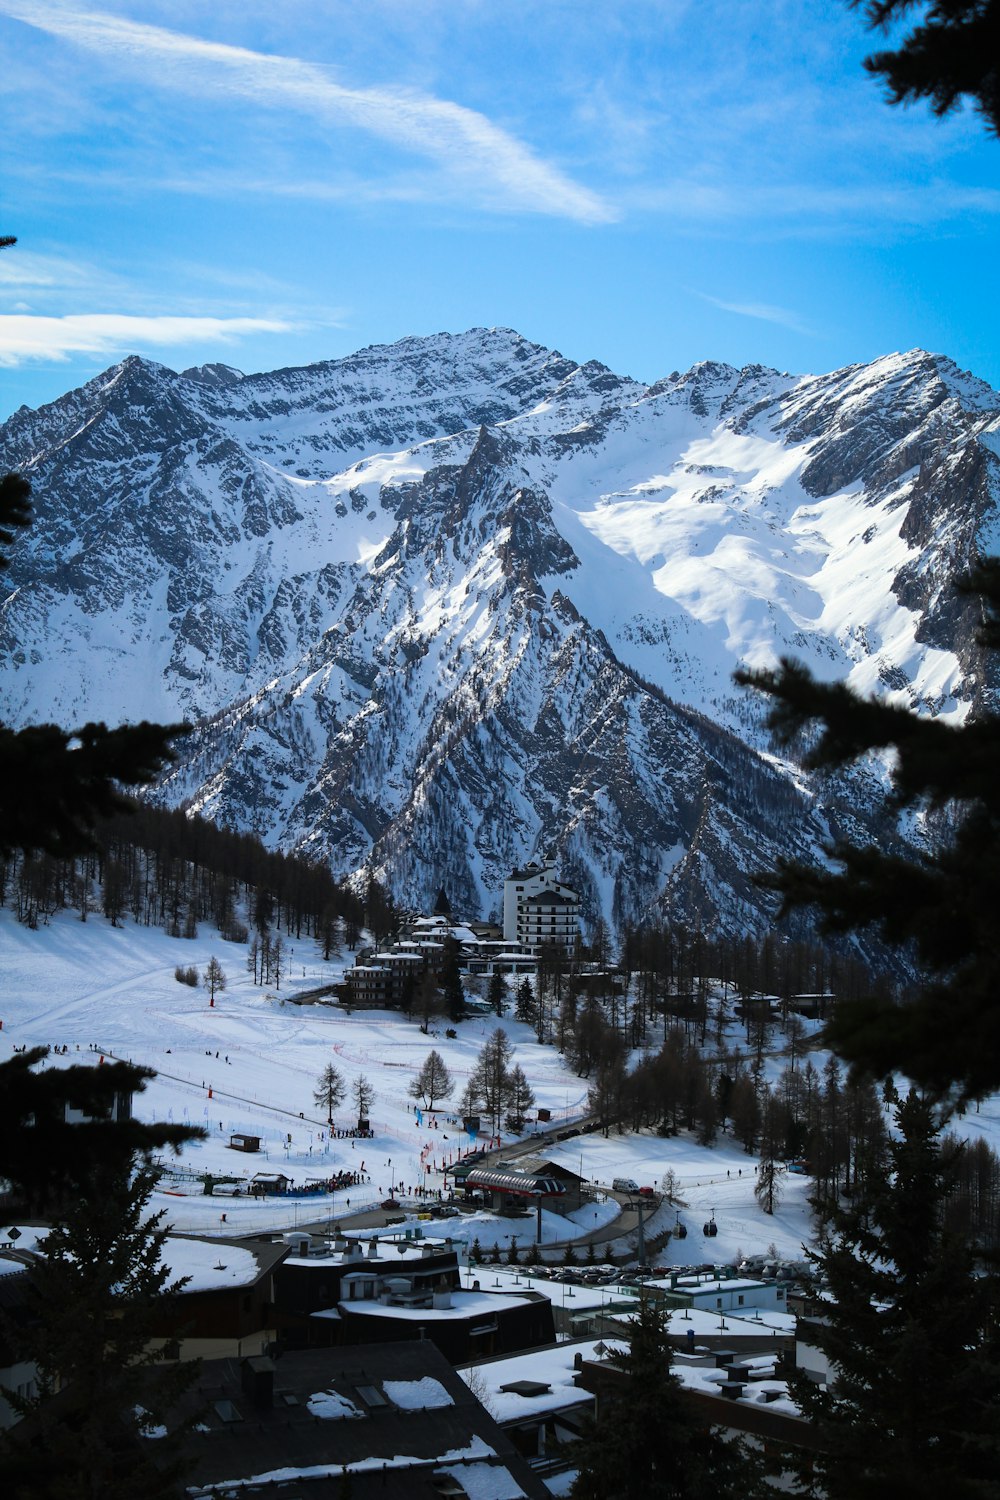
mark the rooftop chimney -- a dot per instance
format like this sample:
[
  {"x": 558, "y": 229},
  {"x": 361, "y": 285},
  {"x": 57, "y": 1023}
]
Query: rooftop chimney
[{"x": 257, "y": 1380}]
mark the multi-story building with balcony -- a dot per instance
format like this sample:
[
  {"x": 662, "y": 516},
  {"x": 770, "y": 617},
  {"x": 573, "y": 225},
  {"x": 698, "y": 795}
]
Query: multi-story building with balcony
[{"x": 539, "y": 911}]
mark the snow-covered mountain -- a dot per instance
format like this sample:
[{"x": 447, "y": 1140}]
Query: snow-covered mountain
[{"x": 443, "y": 605}]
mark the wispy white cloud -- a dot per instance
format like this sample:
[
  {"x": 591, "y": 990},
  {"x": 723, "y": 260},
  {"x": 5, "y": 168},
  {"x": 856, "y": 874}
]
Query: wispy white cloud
[
  {"x": 847, "y": 210},
  {"x": 27, "y": 338},
  {"x": 487, "y": 163},
  {"x": 26, "y": 269},
  {"x": 765, "y": 312}
]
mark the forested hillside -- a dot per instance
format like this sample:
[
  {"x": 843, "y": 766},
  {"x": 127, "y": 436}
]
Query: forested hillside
[{"x": 167, "y": 869}]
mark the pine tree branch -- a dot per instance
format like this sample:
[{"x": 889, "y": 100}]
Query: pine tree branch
[{"x": 58, "y": 783}]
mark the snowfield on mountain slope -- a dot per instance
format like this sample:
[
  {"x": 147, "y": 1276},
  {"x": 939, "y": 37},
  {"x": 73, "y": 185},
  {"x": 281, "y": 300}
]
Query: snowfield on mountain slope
[
  {"x": 694, "y": 483},
  {"x": 431, "y": 597},
  {"x": 111, "y": 992}
]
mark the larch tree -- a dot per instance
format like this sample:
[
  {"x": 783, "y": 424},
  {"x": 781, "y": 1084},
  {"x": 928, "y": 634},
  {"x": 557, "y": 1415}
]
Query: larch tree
[
  {"x": 363, "y": 1095},
  {"x": 433, "y": 1082},
  {"x": 329, "y": 1091},
  {"x": 492, "y": 1075},
  {"x": 427, "y": 1001},
  {"x": 768, "y": 1185},
  {"x": 215, "y": 978}
]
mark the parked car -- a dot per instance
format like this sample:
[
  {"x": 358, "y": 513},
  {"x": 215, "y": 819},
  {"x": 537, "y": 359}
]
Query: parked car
[{"x": 647, "y": 1192}]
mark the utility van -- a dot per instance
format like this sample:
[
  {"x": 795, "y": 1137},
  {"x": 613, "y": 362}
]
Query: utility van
[{"x": 624, "y": 1185}]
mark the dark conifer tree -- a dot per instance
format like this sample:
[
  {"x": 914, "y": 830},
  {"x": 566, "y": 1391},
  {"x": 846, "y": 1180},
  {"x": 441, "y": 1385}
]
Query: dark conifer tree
[
  {"x": 497, "y": 993},
  {"x": 649, "y": 1443},
  {"x": 58, "y": 782},
  {"x": 48, "y": 1160},
  {"x": 98, "y": 1295},
  {"x": 451, "y": 980},
  {"x": 442, "y": 906},
  {"x": 525, "y": 1008},
  {"x": 913, "y": 1334},
  {"x": 940, "y": 907},
  {"x": 951, "y": 55}
]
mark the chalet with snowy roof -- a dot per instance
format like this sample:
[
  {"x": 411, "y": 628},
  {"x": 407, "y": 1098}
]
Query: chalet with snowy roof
[
  {"x": 227, "y": 1307},
  {"x": 269, "y": 1184},
  {"x": 320, "y": 1270},
  {"x": 537, "y": 1399},
  {"x": 539, "y": 911},
  {"x": 382, "y": 977}
]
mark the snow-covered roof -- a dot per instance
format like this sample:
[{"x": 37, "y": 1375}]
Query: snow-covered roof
[
  {"x": 560, "y": 1293},
  {"x": 552, "y": 1367},
  {"x": 209, "y": 1264},
  {"x": 463, "y": 1305},
  {"x": 417, "y": 1395}
]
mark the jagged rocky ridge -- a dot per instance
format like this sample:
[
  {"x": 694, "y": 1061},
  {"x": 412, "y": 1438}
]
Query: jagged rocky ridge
[{"x": 440, "y": 606}]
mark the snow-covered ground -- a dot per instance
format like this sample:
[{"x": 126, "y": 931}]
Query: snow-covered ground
[{"x": 251, "y": 1063}]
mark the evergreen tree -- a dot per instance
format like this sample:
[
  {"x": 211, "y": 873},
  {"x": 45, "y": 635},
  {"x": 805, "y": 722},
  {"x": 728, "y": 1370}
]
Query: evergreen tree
[
  {"x": 451, "y": 980},
  {"x": 497, "y": 993},
  {"x": 524, "y": 1004},
  {"x": 427, "y": 1001},
  {"x": 940, "y": 906},
  {"x": 433, "y": 1082},
  {"x": 648, "y": 1443},
  {"x": 950, "y": 56},
  {"x": 98, "y": 1295},
  {"x": 47, "y": 1159},
  {"x": 442, "y": 906},
  {"x": 329, "y": 1091},
  {"x": 520, "y": 1098},
  {"x": 911, "y": 1331}
]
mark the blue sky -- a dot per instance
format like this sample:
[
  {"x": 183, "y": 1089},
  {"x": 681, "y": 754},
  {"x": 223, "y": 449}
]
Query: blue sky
[{"x": 646, "y": 184}]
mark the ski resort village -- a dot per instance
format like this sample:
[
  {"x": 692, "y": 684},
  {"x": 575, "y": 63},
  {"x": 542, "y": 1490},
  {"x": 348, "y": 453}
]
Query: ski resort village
[{"x": 440, "y": 1178}]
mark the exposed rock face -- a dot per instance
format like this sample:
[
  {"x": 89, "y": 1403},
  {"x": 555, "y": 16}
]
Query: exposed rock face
[{"x": 440, "y": 606}]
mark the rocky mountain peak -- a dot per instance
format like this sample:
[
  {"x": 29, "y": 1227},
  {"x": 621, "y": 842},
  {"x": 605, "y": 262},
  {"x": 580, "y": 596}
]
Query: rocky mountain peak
[{"x": 441, "y": 604}]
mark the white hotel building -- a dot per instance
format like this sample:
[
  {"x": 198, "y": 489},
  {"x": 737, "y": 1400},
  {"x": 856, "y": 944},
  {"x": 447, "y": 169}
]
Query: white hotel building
[{"x": 539, "y": 911}]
